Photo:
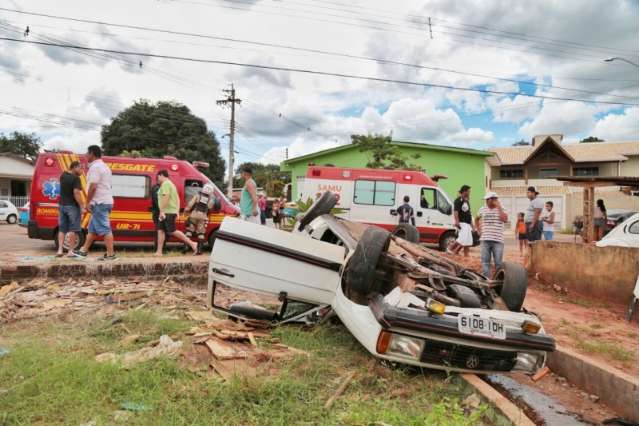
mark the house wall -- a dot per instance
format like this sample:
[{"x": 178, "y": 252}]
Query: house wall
[
  {"x": 14, "y": 168},
  {"x": 461, "y": 168},
  {"x": 630, "y": 167},
  {"x": 613, "y": 199}
]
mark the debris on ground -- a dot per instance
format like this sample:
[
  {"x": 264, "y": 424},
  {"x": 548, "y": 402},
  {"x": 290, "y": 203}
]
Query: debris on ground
[
  {"x": 472, "y": 401},
  {"x": 540, "y": 374},
  {"x": 340, "y": 390},
  {"x": 134, "y": 406},
  {"x": 4, "y": 351},
  {"x": 166, "y": 347}
]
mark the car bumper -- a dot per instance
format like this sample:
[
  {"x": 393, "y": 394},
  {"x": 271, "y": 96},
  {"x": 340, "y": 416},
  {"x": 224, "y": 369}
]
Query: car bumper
[{"x": 33, "y": 231}]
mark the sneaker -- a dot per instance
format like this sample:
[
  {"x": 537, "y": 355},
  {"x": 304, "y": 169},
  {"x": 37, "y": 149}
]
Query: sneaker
[
  {"x": 105, "y": 257},
  {"x": 79, "y": 253}
]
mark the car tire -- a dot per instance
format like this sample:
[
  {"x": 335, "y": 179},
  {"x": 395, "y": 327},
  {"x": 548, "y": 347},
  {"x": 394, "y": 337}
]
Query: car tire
[
  {"x": 12, "y": 219},
  {"x": 446, "y": 239},
  {"x": 515, "y": 284},
  {"x": 361, "y": 273},
  {"x": 323, "y": 205},
  {"x": 407, "y": 231},
  {"x": 467, "y": 297}
]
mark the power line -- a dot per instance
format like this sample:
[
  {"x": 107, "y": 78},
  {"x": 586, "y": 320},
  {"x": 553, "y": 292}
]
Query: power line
[
  {"x": 316, "y": 72},
  {"x": 328, "y": 53}
]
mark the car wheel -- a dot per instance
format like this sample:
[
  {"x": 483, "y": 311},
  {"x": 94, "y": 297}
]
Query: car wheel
[
  {"x": 361, "y": 272},
  {"x": 12, "y": 219},
  {"x": 467, "y": 297},
  {"x": 322, "y": 205},
  {"x": 446, "y": 240},
  {"x": 515, "y": 284},
  {"x": 407, "y": 232}
]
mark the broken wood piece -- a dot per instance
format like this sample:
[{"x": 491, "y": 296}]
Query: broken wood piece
[
  {"x": 540, "y": 374},
  {"x": 252, "y": 339},
  {"x": 223, "y": 351},
  {"x": 340, "y": 390},
  {"x": 125, "y": 328},
  {"x": 126, "y": 297}
]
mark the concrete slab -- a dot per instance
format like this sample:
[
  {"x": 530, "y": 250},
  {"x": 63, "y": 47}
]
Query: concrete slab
[{"x": 617, "y": 389}]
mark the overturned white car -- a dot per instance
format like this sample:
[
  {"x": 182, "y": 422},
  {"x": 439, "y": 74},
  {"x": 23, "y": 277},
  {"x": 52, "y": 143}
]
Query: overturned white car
[{"x": 402, "y": 302}]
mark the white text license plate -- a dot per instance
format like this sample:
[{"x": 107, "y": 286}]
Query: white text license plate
[{"x": 469, "y": 324}]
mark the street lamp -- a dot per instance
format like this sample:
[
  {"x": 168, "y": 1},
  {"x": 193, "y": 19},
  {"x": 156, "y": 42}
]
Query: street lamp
[{"x": 621, "y": 59}]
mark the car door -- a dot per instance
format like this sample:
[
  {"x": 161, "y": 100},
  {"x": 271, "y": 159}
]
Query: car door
[
  {"x": 261, "y": 259},
  {"x": 4, "y": 210},
  {"x": 632, "y": 233}
]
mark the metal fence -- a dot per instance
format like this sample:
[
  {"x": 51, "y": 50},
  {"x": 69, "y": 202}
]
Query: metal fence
[{"x": 16, "y": 201}]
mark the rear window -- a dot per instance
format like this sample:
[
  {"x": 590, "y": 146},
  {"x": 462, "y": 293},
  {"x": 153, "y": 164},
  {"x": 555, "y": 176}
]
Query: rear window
[
  {"x": 374, "y": 192},
  {"x": 130, "y": 186}
]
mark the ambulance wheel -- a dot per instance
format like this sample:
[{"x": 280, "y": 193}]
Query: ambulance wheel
[
  {"x": 361, "y": 273},
  {"x": 82, "y": 238},
  {"x": 515, "y": 284},
  {"x": 407, "y": 231},
  {"x": 323, "y": 205},
  {"x": 446, "y": 240}
]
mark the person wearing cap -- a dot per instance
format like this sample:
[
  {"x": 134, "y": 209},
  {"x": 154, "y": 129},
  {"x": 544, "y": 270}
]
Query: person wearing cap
[
  {"x": 490, "y": 225},
  {"x": 533, "y": 214},
  {"x": 463, "y": 222}
]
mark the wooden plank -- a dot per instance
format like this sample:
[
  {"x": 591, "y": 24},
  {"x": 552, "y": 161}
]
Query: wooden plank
[{"x": 223, "y": 351}]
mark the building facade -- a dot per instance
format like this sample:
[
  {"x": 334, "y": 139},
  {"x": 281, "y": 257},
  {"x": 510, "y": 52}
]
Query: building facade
[
  {"x": 459, "y": 165},
  {"x": 15, "y": 179},
  {"x": 511, "y": 170}
]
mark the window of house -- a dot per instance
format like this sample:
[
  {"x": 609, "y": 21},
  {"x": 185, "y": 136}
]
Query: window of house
[
  {"x": 586, "y": 171},
  {"x": 548, "y": 173},
  {"x": 511, "y": 173},
  {"x": 372, "y": 192},
  {"x": 130, "y": 186}
]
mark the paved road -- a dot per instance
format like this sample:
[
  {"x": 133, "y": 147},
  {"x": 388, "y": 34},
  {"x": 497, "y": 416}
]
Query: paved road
[{"x": 14, "y": 239}]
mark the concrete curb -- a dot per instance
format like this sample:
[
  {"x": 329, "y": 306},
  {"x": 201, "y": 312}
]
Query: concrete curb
[
  {"x": 119, "y": 268},
  {"x": 617, "y": 389},
  {"x": 515, "y": 414}
]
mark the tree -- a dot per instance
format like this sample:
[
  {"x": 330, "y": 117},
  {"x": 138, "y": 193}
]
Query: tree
[
  {"x": 382, "y": 153},
  {"x": 266, "y": 176},
  {"x": 521, "y": 143},
  {"x": 591, "y": 139},
  {"x": 166, "y": 128},
  {"x": 25, "y": 145}
]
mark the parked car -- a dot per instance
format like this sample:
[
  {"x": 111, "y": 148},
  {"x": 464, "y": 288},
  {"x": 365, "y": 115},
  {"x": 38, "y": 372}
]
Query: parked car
[
  {"x": 625, "y": 234},
  {"x": 8, "y": 212},
  {"x": 402, "y": 302},
  {"x": 23, "y": 215},
  {"x": 617, "y": 216}
]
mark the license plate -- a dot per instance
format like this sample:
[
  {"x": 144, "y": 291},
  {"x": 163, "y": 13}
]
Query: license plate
[{"x": 478, "y": 326}]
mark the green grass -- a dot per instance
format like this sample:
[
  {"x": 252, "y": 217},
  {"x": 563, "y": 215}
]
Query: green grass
[
  {"x": 589, "y": 342},
  {"x": 50, "y": 377}
]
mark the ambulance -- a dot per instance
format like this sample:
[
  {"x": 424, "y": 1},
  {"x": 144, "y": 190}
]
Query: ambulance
[
  {"x": 132, "y": 180},
  {"x": 372, "y": 196}
]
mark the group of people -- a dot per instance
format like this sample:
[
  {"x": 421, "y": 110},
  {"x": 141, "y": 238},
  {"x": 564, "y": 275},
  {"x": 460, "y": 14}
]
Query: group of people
[{"x": 536, "y": 222}]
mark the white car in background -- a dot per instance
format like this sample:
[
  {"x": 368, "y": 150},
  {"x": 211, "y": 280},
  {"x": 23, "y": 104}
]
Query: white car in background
[
  {"x": 8, "y": 212},
  {"x": 626, "y": 234},
  {"x": 403, "y": 303}
]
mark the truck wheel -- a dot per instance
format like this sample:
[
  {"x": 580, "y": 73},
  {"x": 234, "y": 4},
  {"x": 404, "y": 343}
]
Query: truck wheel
[
  {"x": 407, "y": 232},
  {"x": 12, "y": 219},
  {"x": 446, "y": 239},
  {"x": 361, "y": 271},
  {"x": 322, "y": 205},
  {"x": 515, "y": 284}
]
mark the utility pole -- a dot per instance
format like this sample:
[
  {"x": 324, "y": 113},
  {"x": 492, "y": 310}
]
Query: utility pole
[{"x": 232, "y": 100}]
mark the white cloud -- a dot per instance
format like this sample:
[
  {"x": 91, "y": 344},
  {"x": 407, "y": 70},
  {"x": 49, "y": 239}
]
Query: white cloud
[
  {"x": 618, "y": 127},
  {"x": 513, "y": 110},
  {"x": 567, "y": 118}
]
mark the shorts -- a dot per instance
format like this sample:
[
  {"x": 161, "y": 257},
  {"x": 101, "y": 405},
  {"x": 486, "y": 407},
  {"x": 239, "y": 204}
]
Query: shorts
[
  {"x": 69, "y": 219},
  {"x": 100, "y": 223},
  {"x": 522, "y": 236},
  {"x": 548, "y": 235},
  {"x": 600, "y": 222},
  {"x": 168, "y": 224},
  {"x": 533, "y": 233},
  {"x": 252, "y": 219}
]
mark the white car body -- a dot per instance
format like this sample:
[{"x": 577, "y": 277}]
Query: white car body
[
  {"x": 8, "y": 212},
  {"x": 626, "y": 234},
  {"x": 265, "y": 260}
]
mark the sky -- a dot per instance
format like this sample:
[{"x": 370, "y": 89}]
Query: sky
[{"x": 551, "y": 49}]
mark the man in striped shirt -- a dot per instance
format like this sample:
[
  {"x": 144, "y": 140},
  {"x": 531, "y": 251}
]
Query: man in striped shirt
[{"x": 490, "y": 225}]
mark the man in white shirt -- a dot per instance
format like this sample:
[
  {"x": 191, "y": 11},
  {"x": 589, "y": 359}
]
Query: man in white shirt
[{"x": 99, "y": 204}]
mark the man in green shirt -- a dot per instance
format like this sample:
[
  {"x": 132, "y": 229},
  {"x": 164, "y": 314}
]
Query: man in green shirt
[
  {"x": 169, "y": 203},
  {"x": 249, "y": 208}
]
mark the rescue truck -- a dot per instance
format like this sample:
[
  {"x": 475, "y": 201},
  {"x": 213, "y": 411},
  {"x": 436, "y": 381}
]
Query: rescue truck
[
  {"x": 372, "y": 196},
  {"x": 132, "y": 180}
]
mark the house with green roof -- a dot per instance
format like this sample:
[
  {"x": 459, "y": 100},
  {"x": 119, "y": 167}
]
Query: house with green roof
[{"x": 459, "y": 165}]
